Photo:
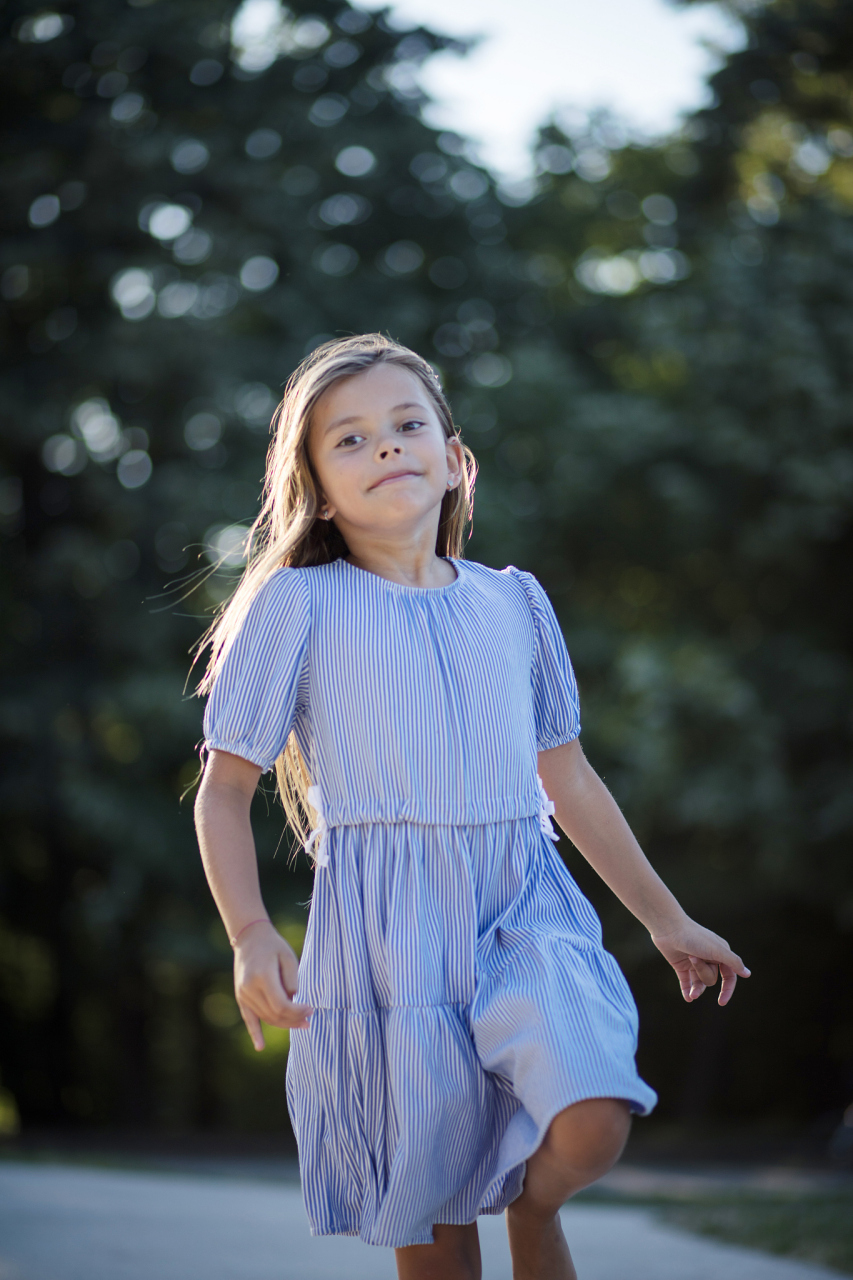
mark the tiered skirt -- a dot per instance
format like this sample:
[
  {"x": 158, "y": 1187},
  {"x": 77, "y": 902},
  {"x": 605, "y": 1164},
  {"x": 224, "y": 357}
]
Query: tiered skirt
[{"x": 462, "y": 998}]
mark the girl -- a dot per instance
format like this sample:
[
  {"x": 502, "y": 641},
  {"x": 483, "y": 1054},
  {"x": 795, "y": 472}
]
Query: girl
[{"x": 461, "y": 1043}]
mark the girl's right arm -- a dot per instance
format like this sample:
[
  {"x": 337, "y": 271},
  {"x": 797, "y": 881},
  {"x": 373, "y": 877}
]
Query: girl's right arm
[{"x": 265, "y": 966}]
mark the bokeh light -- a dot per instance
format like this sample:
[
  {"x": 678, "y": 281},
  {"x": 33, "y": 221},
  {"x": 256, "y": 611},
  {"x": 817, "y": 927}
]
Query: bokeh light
[
  {"x": 336, "y": 259},
  {"x": 168, "y": 221},
  {"x": 227, "y": 545},
  {"x": 44, "y": 210},
  {"x": 134, "y": 469},
  {"x": 355, "y": 162},
  {"x": 403, "y": 257},
  {"x": 44, "y": 27},
  {"x": 263, "y": 143},
  {"x": 259, "y": 273},
  {"x": 202, "y": 431},
  {"x": 189, "y": 156},
  {"x": 133, "y": 293}
]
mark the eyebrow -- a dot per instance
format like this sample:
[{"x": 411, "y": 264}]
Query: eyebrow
[{"x": 356, "y": 417}]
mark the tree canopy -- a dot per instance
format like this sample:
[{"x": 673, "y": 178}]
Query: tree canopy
[{"x": 649, "y": 352}]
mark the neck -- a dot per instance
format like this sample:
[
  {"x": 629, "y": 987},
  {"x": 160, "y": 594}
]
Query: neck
[{"x": 413, "y": 564}]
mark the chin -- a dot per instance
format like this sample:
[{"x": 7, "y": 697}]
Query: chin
[{"x": 399, "y": 510}]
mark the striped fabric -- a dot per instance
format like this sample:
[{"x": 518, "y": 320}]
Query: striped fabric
[{"x": 462, "y": 995}]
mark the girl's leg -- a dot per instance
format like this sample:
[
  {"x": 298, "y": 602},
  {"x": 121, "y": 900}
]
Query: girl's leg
[
  {"x": 582, "y": 1143},
  {"x": 453, "y": 1255}
]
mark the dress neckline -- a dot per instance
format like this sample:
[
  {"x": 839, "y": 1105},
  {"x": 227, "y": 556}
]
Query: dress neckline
[{"x": 407, "y": 590}]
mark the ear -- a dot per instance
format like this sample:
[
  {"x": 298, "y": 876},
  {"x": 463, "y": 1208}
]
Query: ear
[
  {"x": 327, "y": 511},
  {"x": 455, "y": 462}
]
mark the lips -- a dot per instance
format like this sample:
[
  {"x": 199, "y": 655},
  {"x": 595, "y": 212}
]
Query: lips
[{"x": 394, "y": 475}]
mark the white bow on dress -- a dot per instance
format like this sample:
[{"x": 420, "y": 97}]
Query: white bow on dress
[
  {"x": 314, "y": 796},
  {"x": 546, "y": 810}
]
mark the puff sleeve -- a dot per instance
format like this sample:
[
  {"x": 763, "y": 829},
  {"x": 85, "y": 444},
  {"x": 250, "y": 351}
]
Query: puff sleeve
[
  {"x": 252, "y": 704},
  {"x": 556, "y": 706}
]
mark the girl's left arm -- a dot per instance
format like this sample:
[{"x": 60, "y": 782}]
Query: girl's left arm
[{"x": 593, "y": 821}]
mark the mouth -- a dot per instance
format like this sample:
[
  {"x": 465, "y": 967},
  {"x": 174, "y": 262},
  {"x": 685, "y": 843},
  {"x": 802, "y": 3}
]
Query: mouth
[{"x": 395, "y": 475}]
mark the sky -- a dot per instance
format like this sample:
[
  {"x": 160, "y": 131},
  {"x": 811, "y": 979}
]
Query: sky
[{"x": 642, "y": 58}]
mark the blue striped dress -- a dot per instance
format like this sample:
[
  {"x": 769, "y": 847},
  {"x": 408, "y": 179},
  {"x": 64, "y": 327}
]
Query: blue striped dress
[{"x": 461, "y": 991}]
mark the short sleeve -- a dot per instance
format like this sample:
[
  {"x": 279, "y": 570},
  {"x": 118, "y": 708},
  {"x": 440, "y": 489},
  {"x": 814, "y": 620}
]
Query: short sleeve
[
  {"x": 556, "y": 705},
  {"x": 253, "y": 701}
]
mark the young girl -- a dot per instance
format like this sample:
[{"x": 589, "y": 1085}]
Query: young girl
[{"x": 461, "y": 1043}]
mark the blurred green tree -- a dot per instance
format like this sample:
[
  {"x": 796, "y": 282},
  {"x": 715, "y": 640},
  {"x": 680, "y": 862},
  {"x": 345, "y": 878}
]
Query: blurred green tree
[
  {"x": 183, "y": 220},
  {"x": 648, "y": 350},
  {"x": 694, "y": 491}
]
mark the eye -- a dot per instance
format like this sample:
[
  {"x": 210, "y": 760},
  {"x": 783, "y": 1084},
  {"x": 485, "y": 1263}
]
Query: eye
[
  {"x": 414, "y": 423},
  {"x": 345, "y": 440}
]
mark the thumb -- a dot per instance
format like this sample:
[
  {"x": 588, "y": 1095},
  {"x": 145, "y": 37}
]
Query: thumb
[
  {"x": 288, "y": 968},
  {"x": 723, "y": 954},
  {"x": 733, "y": 961},
  {"x": 706, "y": 971}
]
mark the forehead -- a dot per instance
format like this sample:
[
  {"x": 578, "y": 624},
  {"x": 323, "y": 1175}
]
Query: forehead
[{"x": 375, "y": 390}]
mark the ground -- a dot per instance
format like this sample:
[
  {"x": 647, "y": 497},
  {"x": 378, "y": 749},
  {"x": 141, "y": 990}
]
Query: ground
[{"x": 64, "y": 1222}]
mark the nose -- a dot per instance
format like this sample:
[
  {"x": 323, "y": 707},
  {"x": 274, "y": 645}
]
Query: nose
[{"x": 388, "y": 449}]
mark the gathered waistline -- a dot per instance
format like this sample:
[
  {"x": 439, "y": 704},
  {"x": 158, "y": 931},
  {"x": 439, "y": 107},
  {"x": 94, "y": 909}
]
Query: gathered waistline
[
  {"x": 541, "y": 809},
  {"x": 324, "y": 825},
  {"x": 374, "y": 1010}
]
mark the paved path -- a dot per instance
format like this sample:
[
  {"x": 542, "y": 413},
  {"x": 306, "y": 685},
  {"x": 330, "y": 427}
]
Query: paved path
[{"x": 65, "y": 1223}]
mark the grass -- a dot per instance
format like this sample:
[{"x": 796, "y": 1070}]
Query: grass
[{"x": 815, "y": 1228}]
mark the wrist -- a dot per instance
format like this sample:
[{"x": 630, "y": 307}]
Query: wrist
[
  {"x": 666, "y": 920},
  {"x": 236, "y": 938}
]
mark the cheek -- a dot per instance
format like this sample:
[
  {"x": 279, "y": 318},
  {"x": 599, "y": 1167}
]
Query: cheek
[
  {"x": 341, "y": 476},
  {"x": 435, "y": 446}
]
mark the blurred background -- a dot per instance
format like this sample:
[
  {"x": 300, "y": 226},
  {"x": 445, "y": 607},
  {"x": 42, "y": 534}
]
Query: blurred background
[{"x": 645, "y": 326}]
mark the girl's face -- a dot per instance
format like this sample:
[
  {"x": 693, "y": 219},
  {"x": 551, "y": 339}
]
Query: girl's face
[{"x": 380, "y": 452}]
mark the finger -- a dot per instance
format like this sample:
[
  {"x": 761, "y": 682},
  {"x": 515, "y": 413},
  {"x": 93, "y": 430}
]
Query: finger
[
  {"x": 706, "y": 972},
  {"x": 684, "y": 981},
  {"x": 697, "y": 986},
  {"x": 275, "y": 1008},
  {"x": 253, "y": 1026},
  {"x": 733, "y": 962},
  {"x": 278, "y": 1010},
  {"x": 729, "y": 982},
  {"x": 288, "y": 968},
  {"x": 273, "y": 1004},
  {"x": 724, "y": 955},
  {"x": 294, "y": 1016},
  {"x": 267, "y": 995}
]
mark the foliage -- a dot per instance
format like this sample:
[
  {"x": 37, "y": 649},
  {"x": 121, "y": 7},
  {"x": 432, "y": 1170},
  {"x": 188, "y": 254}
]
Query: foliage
[
  {"x": 814, "y": 1228},
  {"x": 696, "y": 529},
  {"x": 813, "y": 1222},
  {"x": 651, "y": 358},
  {"x": 180, "y": 229}
]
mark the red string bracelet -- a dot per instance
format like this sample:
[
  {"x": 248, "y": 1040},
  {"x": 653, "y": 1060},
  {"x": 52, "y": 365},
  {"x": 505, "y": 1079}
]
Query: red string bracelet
[{"x": 260, "y": 920}]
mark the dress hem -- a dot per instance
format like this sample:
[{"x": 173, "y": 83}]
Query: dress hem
[
  {"x": 237, "y": 749},
  {"x": 636, "y": 1107},
  {"x": 561, "y": 740},
  {"x": 503, "y": 1203}
]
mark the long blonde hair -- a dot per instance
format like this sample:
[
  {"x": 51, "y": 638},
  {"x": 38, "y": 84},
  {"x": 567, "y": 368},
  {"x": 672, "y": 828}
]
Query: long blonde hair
[{"x": 289, "y": 531}]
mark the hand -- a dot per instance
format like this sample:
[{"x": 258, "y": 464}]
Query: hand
[
  {"x": 696, "y": 954},
  {"x": 265, "y": 978}
]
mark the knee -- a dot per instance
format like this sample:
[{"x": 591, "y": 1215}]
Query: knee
[{"x": 588, "y": 1138}]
